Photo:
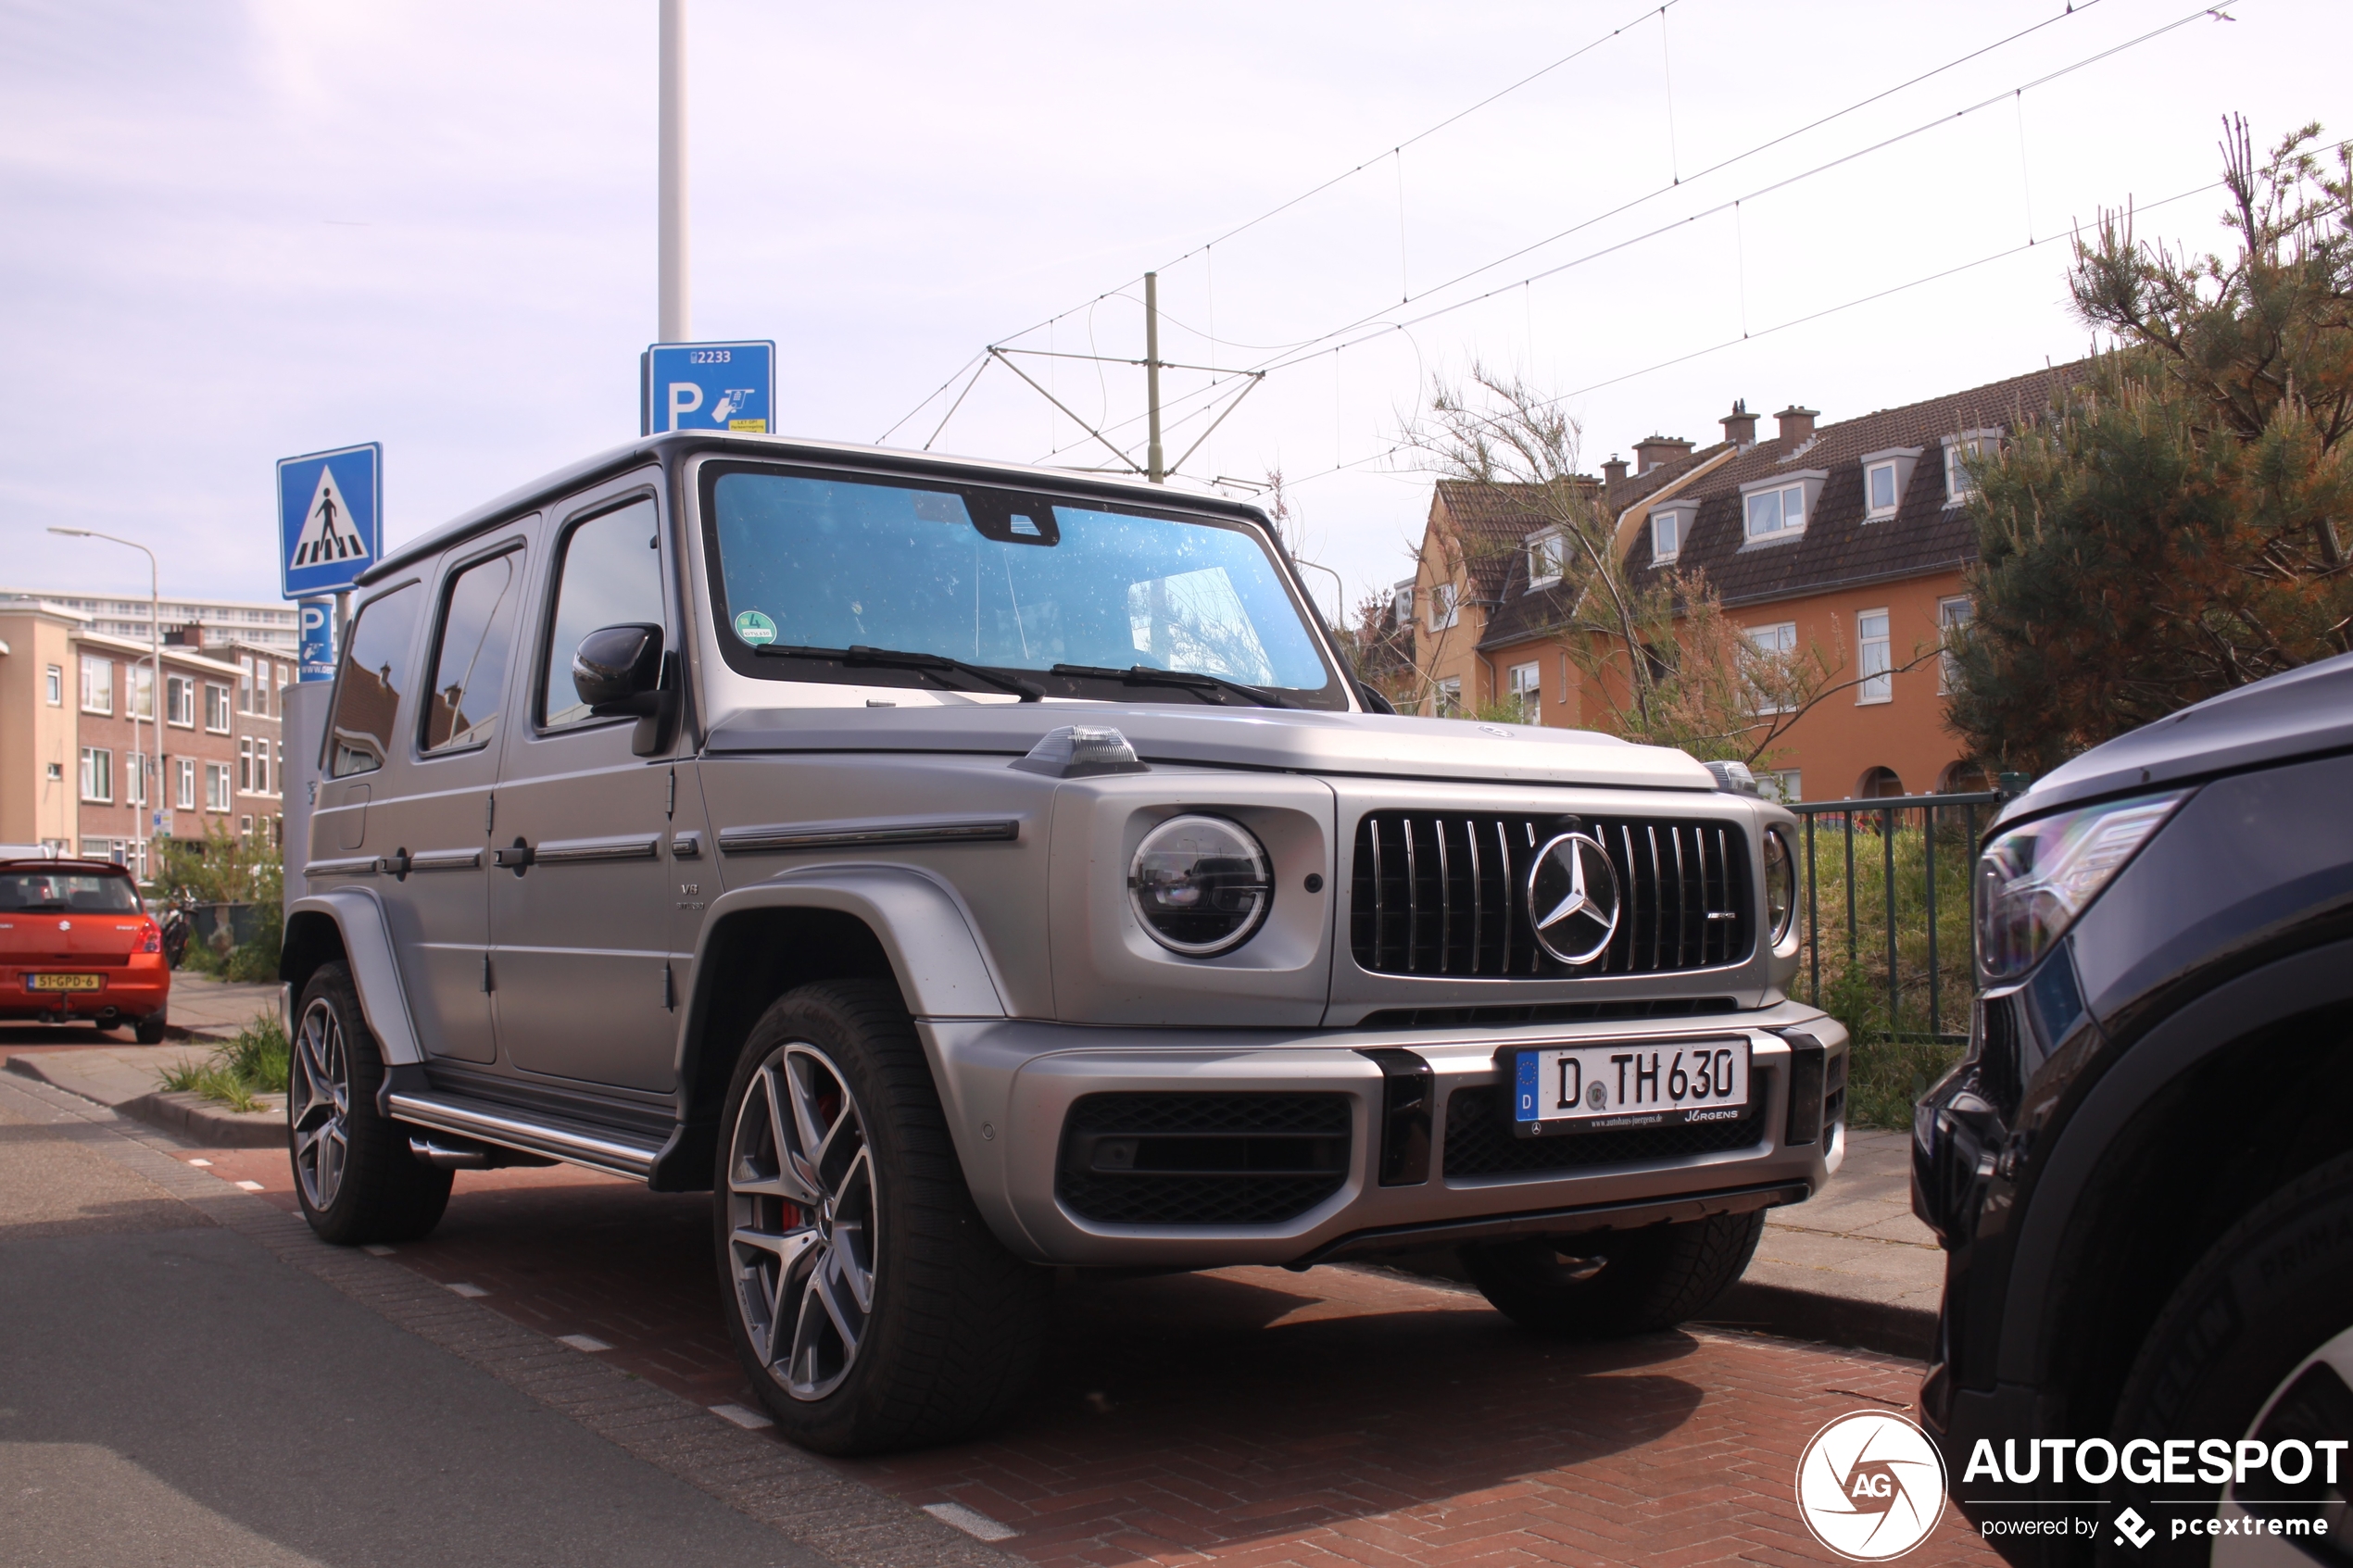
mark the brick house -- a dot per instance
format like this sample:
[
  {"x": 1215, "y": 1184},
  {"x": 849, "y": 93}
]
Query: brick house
[
  {"x": 1850, "y": 538},
  {"x": 128, "y": 765}
]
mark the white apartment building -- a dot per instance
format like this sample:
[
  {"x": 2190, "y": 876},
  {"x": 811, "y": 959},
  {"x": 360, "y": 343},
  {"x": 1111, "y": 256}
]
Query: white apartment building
[{"x": 260, "y": 624}]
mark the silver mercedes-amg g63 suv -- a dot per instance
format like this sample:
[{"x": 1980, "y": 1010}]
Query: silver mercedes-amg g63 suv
[{"x": 960, "y": 869}]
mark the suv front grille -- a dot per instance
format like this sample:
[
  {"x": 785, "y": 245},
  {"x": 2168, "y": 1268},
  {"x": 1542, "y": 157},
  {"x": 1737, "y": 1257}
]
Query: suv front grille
[
  {"x": 1444, "y": 894},
  {"x": 1145, "y": 1159},
  {"x": 1479, "y": 1144}
]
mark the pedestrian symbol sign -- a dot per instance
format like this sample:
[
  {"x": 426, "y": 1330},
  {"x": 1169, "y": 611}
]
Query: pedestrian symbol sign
[
  {"x": 708, "y": 386},
  {"x": 329, "y": 519}
]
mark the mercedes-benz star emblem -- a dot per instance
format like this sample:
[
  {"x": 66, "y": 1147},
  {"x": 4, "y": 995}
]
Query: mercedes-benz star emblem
[{"x": 1573, "y": 898}]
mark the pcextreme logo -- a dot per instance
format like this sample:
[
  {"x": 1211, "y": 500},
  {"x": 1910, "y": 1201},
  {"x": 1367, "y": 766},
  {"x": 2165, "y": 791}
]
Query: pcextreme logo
[{"x": 1870, "y": 1486}]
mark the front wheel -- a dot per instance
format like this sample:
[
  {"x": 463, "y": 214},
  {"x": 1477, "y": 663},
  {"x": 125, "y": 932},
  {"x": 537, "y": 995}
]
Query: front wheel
[
  {"x": 1610, "y": 1284},
  {"x": 866, "y": 1297}
]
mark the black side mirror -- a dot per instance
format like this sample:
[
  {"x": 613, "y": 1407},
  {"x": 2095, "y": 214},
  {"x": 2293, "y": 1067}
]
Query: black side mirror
[{"x": 618, "y": 668}]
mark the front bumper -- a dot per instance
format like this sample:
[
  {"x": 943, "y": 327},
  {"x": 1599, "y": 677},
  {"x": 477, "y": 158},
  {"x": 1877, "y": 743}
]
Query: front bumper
[{"x": 1009, "y": 1089}]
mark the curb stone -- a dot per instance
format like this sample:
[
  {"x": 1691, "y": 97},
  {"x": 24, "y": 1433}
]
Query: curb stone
[
  {"x": 792, "y": 1492},
  {"x": 212, "y": 1125}
]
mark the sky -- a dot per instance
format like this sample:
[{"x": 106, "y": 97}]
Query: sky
[{"x": 236, "y": 232}]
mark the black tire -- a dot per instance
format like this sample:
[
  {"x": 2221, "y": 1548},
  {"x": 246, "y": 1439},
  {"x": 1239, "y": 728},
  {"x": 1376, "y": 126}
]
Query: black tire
[
  {"x": 377, "y": 1191},
  {"x": 2275, "y": 1288},
  {"x": 1612, "y": 1284},
  {"x": 148, "y": 1030},
  {"x": 954, "y": 1323}
]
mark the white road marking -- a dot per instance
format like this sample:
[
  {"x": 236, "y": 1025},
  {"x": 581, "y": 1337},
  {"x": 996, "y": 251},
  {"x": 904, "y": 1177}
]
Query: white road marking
[
  {"x": 203, "y": 1162},
  {"x": 462, "y": 1288},
  {"x": 751, "y": 1420},
  {"x": 250, "y": 1187},
  {"x": 582, "y": 1342},
  {"x": 377, "y": 1248},
  {"x": 971, "y": 1520}
]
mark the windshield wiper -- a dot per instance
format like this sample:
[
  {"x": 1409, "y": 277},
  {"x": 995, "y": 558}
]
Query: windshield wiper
[
  {"x": 894, "y": 659},
  {"x": 1146, "y": 675}
]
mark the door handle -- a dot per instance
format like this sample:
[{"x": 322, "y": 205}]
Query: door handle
[{"x": 516, "y": 857}]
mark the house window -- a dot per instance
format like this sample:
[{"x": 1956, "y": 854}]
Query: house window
[
  {"x": 184, "y": 797},
  {"x": 1445, "y": 607},
  {"x": 1953, "y": 617},
  {"x": 1449, "y": 697},
  {"x": 260, "y": 765},
  {"x": 56, "y": 775},
  {"x": 1957, "y": 449},
  {"x": 245, "y": 682},
  {"x": 1784, "y": 785},
  {"x": 1772, "y": 513},
  {"x": 97, "y": 774},
  {"x": 97, "y": 684},
  {"x": 1667, "y": 535},
  {"x": 245, "y": 827},
  {"x": 1768, "y": 672},
  {"x": 1879, "y": 491},
  {"x": 180, "y": 703},
  {"x": 56, "y": 679},
  {"x": 135, "y": 784},
  {"x": 244, "y": 764},
  {"x": 1543, "y": 560},
  {"x": 216, "y": 708},
  {"x": 216, "y": 787},
  {"x": 1871, "y": 659},
  {"x": 1400, "y": 605},
  {"x": 1528, "y": 691},
  {"x": 143, "y": 692}
]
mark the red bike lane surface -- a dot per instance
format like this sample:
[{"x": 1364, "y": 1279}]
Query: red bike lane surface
[{"x": 1249, "y": 1417}]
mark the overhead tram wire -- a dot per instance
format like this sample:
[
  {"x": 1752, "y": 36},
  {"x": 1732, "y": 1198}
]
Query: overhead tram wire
[
  {"x": 1309, "y": 347},
  {"x": 1810, "y": 317}
]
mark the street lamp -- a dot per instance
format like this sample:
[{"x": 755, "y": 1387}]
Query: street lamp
[{"x": 154, "y": 692}]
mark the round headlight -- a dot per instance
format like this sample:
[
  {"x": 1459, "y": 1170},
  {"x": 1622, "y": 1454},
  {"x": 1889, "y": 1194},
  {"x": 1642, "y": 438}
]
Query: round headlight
[
  {"x": 1780, "y": 886},
  {"x": 1200, "y": 885}
]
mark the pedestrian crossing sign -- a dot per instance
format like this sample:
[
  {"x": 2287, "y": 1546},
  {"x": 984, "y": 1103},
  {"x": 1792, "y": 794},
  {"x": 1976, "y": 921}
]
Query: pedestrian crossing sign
[{"x": 330, "y": 518}]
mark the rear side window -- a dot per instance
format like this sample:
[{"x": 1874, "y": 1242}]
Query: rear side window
[
  {"x": 368, "y": 686},
  {"x": 470, "y": 654},
  {"x": 609, "y": 574},
  {"x": 99, "y": 893}
]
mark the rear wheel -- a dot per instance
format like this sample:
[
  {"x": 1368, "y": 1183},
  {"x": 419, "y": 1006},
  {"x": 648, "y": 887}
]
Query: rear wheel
[
  {"x": 353, "y": 1172},
  {"x": 866, "y": 1297},
  {"x": 1610, "y": 1284},
  {"x": 148, "y": 1030}
]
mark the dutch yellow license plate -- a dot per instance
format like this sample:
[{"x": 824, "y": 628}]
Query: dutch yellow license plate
[{"x": 65, "y": 981}]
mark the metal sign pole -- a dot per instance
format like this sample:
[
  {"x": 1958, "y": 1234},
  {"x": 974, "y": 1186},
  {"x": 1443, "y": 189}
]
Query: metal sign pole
[{"x": 672, "y": 161}]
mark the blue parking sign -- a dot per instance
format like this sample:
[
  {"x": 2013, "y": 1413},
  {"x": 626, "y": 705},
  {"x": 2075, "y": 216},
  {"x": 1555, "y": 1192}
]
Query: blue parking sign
[
  {"x": 708, "y": 386},
  {"x": 317, "y": 657},
  {"x": 329, "y": 519}
]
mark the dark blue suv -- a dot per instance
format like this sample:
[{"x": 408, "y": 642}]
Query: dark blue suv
[{"x": 2143, "y": 1170}]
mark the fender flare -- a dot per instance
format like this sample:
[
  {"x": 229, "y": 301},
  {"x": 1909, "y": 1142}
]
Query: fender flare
[
  {"x": 2214, "y": 1022},
  {"x": 367, "y": 946}
]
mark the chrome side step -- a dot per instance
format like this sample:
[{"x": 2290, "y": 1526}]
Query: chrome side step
[{"x": 575, "y": 1143}]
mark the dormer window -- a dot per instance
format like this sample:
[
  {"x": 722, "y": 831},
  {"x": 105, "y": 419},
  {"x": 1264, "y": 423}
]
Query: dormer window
[
  {"x": 1667, "y": 536},
  {"x": 1401, "y": 604},
  {"x": 1887, "y": 478},
  {"x": 1778, "y": 510},
  {"x": 1958, "y": 449},
  {"x": 1879, "y": 489},
  {"x": 1544, "y": 554}
]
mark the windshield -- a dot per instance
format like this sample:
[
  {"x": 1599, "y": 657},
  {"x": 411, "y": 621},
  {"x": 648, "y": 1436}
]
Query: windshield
[
  {"x": 96, "y": 892},
  {"x": 1003, "y": 579}
]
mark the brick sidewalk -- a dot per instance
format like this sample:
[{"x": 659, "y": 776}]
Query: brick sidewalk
[{"x": 1249, "y": 1417}]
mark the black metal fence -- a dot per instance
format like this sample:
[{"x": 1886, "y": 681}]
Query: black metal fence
[{"x": 1899, "y": 933}]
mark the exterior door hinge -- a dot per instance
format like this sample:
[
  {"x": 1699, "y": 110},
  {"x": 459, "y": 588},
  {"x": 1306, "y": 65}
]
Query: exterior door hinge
[
  {"x": 487, "y": 986},
  {"x": 669, "y": 991},
  {"x": 489, "y": 812},
  {"x": 670, "y": 806}
]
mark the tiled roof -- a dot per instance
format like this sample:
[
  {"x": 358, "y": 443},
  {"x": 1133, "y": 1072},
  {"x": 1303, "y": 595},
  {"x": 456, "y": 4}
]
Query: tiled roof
[{"x": 1837, "y": 548}]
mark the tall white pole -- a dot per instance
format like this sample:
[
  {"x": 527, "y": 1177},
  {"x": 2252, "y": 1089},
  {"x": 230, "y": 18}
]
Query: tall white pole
[{"x": 676, "y": 325}]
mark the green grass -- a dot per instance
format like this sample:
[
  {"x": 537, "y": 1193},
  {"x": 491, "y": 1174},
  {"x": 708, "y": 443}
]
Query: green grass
[
  {"x": 238, "y": 1070},
  {"x": 1894, "y": 1059}
]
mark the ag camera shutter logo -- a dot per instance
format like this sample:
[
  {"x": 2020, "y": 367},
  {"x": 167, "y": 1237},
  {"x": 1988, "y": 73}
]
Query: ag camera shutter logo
[{"x": 1870, "y": 1486}]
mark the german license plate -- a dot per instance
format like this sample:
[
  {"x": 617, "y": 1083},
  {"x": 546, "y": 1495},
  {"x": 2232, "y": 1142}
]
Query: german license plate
[
  {"x": 65, "y": 981},
  {"x": 1600, "y": 1088}
]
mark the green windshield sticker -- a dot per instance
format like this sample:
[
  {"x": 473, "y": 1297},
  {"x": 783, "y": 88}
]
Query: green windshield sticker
[{"x": 755, "y": 628}]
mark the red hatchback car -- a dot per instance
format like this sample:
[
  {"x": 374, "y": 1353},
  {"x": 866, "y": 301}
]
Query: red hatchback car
[{"x": 76, "y": 945}]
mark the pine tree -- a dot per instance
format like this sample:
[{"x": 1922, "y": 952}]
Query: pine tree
[{"x": 2175, "y": 528}]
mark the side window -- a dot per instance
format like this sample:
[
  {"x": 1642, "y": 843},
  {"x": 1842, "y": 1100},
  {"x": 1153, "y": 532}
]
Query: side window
[
  {"x": 469, "y": 653},
  {"x": 608, "y": 574},
  {"x": 368, "y": 687}
]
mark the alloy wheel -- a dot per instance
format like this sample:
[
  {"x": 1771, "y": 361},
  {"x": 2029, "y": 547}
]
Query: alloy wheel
[
  {"x": 802, "y": 1216},
  {"x": 319, "y": 1104}
]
